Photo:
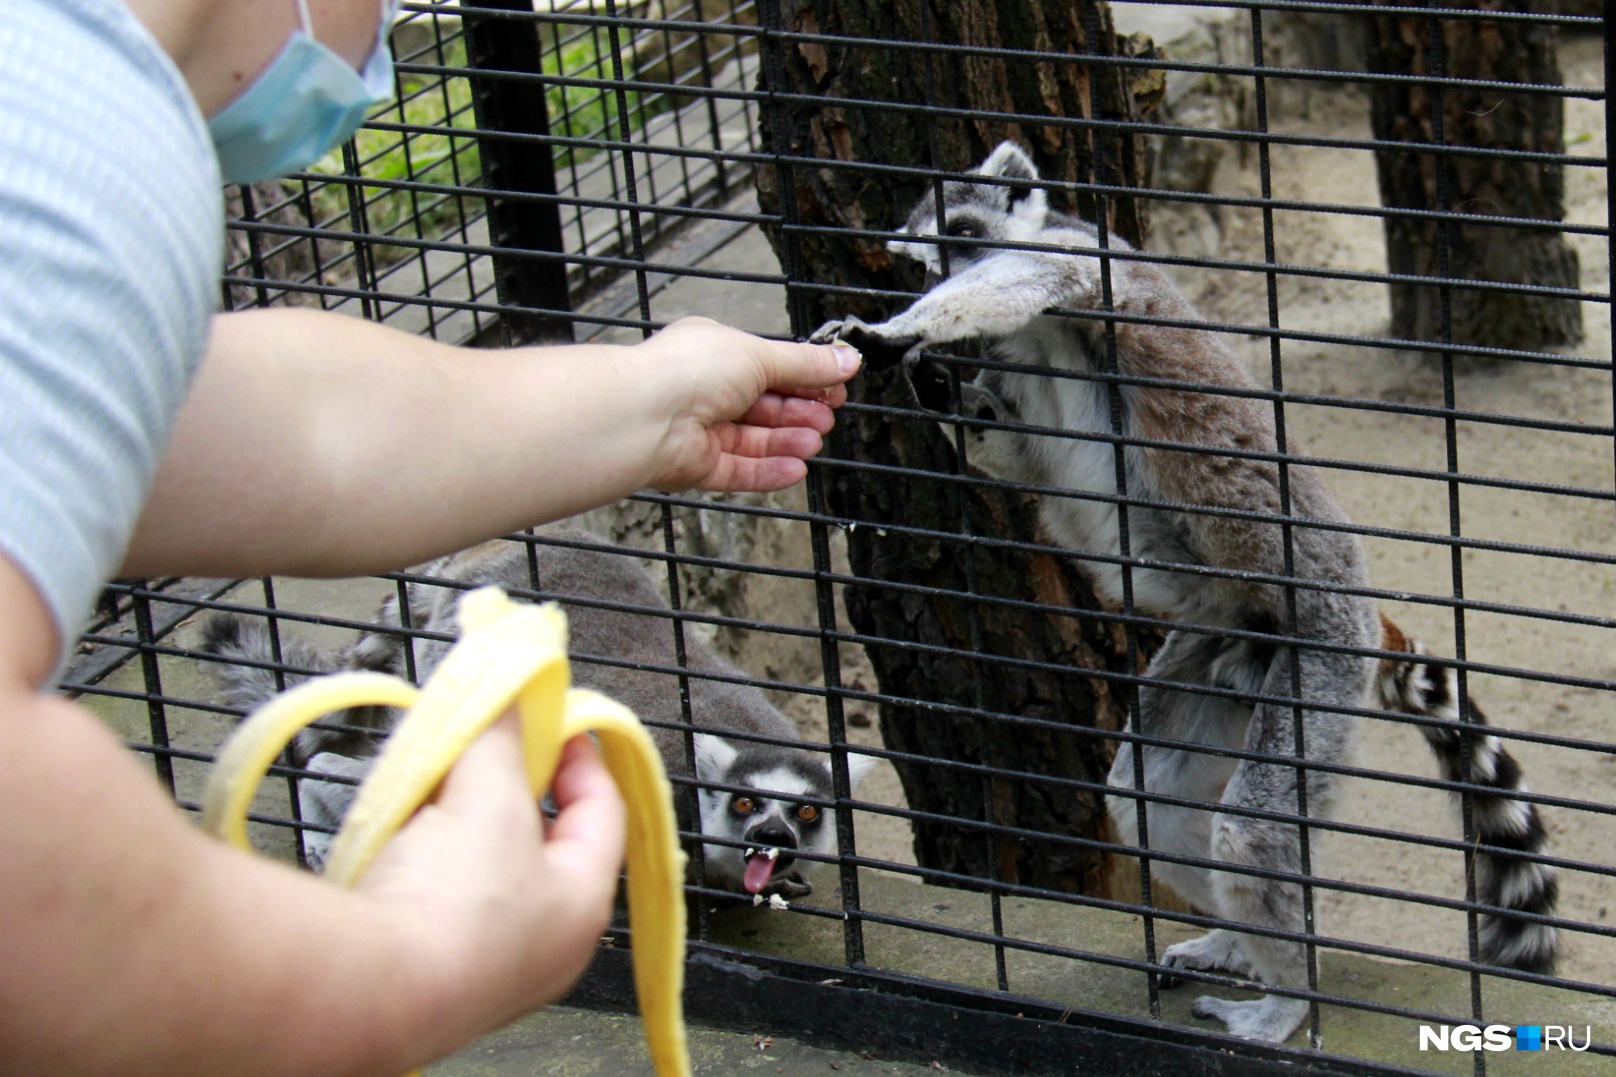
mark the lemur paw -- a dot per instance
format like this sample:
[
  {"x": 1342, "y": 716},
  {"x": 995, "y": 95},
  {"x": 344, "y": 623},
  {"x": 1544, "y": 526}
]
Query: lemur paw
[
  {"x": 791, "y": 887},
  {"x": 1091, "y": 284},
  {"x": 832, "y": 331},
  {"x": 1270, "y": 1019},
  {"x": 1216, "y": 951},
  {"x": 879, "y": 351}
]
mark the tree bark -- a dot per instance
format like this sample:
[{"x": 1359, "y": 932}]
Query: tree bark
[
  {"x": 829, "y": 124},
  {"x": 1474, "y": 118}
]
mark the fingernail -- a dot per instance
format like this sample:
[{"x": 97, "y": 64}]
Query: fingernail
[{"x": 847, "y": 358}]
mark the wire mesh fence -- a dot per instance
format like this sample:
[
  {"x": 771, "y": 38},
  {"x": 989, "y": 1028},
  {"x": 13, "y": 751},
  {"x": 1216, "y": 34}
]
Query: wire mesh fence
[{"x": 1068, "y": 653}]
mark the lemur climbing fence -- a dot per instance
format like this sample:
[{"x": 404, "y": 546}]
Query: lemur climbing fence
[{"x": 589, "y": 170}]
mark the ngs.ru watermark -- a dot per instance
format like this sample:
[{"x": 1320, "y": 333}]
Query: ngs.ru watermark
[{"x": 1504, "y": 1038}]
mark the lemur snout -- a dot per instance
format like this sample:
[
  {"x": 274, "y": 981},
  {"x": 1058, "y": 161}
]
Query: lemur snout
[
  {"x": 773, "y": 834},
  {"x": 928, "y": 380}
]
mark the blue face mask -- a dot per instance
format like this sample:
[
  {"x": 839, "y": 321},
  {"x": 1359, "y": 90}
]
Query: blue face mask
[{"x": 307, "y": 101}]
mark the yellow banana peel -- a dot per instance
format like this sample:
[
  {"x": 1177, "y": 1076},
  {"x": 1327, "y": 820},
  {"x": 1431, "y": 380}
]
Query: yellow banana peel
[{"x": 508, "y": 653}]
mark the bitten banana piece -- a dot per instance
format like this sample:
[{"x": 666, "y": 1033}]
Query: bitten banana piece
[{"x": 508, "y": 652}]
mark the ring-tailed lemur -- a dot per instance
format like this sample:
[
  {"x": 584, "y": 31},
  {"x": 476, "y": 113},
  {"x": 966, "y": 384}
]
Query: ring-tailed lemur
[
  {"x": 1201, "y": 502},
  {"x": 770, "y": 820}
]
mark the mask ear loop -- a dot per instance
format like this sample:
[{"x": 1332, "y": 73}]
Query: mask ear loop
[
  {"x": 387, "y": 9},
  {"x": 391, "y": 10}
]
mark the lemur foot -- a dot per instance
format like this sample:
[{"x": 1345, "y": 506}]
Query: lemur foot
[
  {"x": 880, "y": 352},
  {"x": 1216, "y": 951},
  {"x": 1270, "y": 1019}
]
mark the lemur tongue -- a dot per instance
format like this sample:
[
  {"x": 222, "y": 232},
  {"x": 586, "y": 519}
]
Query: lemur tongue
[{"x": 759, "y": 869}]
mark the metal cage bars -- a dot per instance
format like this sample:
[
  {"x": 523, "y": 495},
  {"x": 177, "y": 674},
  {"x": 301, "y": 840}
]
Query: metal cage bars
[{"x": 344, "y": 272}]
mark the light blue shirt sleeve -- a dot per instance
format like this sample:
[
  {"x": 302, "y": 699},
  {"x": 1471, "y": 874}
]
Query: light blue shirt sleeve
[{"x": 111, "y": 244}]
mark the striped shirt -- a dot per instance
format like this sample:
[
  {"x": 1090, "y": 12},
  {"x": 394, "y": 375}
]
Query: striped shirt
[{"x": 111, "y": 243}]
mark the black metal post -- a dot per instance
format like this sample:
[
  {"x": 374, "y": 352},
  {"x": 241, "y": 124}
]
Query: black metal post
[{"x": 505, "y": 106}]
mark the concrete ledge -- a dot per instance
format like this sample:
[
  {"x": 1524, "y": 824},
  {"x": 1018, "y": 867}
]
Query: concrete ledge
[
  {"x": 1095, "y": 995},
  {"x": 569, "y": 1042},
  {"x": 1083, "y": 985}
]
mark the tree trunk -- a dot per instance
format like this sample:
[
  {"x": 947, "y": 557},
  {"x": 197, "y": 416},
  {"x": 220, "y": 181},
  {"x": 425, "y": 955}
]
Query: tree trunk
[
  {"x": 1474, "y": 118},
  {"x": 832, "y": 127}
]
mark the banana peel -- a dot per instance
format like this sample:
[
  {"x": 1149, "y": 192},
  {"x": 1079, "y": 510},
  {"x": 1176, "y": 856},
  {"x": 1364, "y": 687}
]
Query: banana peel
[{"x": 508, "y": 653}]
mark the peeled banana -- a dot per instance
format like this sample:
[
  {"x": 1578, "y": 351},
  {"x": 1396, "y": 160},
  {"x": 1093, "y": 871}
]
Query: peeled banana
[{"x": 508, "y": 653}]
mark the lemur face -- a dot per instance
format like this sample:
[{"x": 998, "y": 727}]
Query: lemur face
[
  {"x": 773, "y": 823},
  {"x": 1001, "y": 234},
  {"x": 975, "y": 211},
  {"x": 972, "y": 211},
  {"x": 777, "y": 814}
]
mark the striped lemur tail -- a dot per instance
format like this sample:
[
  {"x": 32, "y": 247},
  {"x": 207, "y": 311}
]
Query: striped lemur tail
[
  {"x": 1504, "y": 881},
  {"x": 248, "y": 677}
]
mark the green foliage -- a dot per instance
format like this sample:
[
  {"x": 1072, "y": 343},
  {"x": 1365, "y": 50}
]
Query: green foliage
[
  {"x": 590, "y": 111},
  {"x": 439, "y": 146}
]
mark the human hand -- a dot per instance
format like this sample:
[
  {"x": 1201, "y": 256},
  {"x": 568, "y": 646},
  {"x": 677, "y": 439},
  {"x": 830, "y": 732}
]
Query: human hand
[
  {"x": 748, "y": 412},
  {"x": 512, "y": 906}
]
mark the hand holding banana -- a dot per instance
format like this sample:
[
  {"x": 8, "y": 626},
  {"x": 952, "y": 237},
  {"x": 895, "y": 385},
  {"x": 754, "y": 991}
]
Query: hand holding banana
[{"x": 508, "y": 653}]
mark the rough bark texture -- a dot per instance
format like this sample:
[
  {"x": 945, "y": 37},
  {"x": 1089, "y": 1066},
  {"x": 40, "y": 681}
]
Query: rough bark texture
[
  {"x": 833, "y": 127},
  {"x": 1475, "y": 49}
]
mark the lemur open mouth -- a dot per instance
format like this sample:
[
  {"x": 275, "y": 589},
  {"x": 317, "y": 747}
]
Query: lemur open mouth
[{"x": 760, "y": 865}]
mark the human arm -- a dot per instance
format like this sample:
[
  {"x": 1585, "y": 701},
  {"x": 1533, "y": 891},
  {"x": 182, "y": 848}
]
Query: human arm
[
  {"x": 132, "y": 944},
  {"x": 315, "y": 444}
]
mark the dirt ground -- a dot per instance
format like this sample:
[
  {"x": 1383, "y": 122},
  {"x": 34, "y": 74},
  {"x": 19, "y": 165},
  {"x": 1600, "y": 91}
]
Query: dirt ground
[{"x": 1347, "y": 177}]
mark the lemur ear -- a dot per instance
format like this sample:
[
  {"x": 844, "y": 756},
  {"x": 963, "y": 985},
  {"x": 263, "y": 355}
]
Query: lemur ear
[
  {"x": 858, "y": 766},
  {"x": 1010, "y": 161},
  {"x": 714, "y": 757}
]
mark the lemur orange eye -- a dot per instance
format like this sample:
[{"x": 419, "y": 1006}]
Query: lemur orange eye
[
  {"x": 963, "y": 230},
  {"x": 742, "y": 805},
  {"x": 807, "y": 813}
]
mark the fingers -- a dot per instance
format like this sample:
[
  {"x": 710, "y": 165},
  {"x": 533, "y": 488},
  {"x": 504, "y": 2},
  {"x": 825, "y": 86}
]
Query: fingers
[
  {"x": 759, "y": 458},
  {"x": 787, "y": 367},
  {"x": 759, "y": 476},
  {"x": 490, "y": 780},
  {"x": 490, "y": 783},
  {"x": 761, "y": 442},
  {"x": 834, "y": 397},
  {"x": 591, "y": 819},
  {"x": 580, "y": 774},
  {"x": 484, "y": 803},
  {"x": 812, "y": 409},
  {"x": 759, "y": 407},
  {"x": 795, "y": 367}
]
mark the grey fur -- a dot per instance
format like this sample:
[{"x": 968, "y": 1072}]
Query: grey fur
[
  {"x": 1000, "y": 297},
  {"x": 775, "y": 779}
]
